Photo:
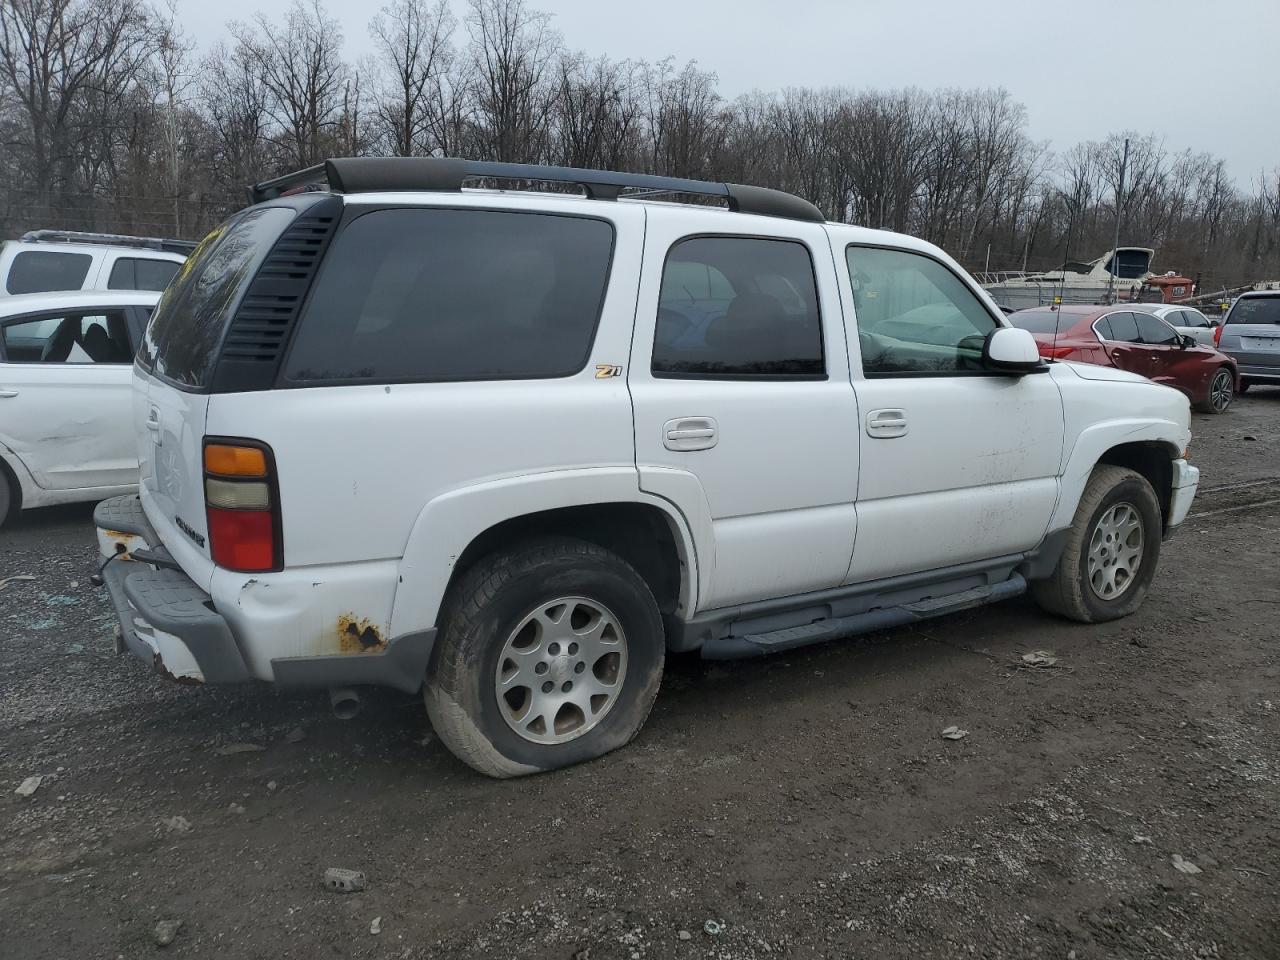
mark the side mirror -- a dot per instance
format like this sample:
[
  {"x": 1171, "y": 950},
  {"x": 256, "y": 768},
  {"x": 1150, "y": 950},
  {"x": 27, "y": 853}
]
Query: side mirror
[
  {"x": 1186, "y": 340},
  {"x": 1215, "y": 321},
  {"x": 1011, "y": 350}
]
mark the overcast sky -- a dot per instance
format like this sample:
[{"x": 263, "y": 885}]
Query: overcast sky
[{"x": 1201, "y": 75}]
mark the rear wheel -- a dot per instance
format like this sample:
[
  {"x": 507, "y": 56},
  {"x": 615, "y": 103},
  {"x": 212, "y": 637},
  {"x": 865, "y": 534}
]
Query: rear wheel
[
  {"x": 1221, "y": 392},
  {"x": 1245, "y": 384},
  {"x": 1111, "y": 552},
  {"x": 7, "y": 497},
  {"x": 551, "y": 654}
]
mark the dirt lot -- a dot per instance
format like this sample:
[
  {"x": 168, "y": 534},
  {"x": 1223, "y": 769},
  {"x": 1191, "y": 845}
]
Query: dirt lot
[{"x": 806, "y": 803}]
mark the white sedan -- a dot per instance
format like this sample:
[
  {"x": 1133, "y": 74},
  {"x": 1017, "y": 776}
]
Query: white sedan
[
  {"x": 66, "y": 366},
  {"x": 1186, "y": 320}
]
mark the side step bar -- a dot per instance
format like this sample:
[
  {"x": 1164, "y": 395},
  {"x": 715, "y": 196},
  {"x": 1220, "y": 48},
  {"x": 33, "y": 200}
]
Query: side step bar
[{"x": 775, "y": 641}]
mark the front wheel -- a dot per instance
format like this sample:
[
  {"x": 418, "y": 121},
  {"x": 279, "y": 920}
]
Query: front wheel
[
  {"x": 1221, "y": 392},
  {"x": 551, "y": 654},
  {"x": 1111, "y": 552}
]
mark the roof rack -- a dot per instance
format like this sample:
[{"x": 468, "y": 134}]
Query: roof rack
[
  {"x": 183, "y": 247},
  {"x": 371, "y": 174}
]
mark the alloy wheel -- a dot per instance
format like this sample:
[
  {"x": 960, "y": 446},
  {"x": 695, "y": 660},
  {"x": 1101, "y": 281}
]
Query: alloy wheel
[
  {"x": 1221, "y": 390},
  {"x": 1115, "y": 550},
  {"x": 561, "y": 670}
]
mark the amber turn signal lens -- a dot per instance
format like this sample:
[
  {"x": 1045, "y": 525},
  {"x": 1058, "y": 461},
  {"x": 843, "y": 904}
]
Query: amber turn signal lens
[{"x": 225, "y": 460}]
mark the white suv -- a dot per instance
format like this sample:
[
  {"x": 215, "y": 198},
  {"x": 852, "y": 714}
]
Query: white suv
[
  {"x": 49, "y": 260},
  {"x": 510, "y": 447}
]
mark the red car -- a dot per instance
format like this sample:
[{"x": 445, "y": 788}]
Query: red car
[{"x": 1139, "y": 342}]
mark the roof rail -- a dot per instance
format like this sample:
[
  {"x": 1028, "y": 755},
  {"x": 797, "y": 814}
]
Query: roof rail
[
  {"x": 443, "y": 174},
  {"x": 183, "y": 247}
]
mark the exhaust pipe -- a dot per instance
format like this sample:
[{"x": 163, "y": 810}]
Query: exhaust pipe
[{"x": 345, "y": 702}]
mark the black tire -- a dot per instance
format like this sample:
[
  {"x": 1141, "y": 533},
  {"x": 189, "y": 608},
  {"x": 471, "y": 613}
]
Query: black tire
[
  {"x": 484, "y": 609},
  {"x": 8, "y": 495},
  {"x": 1245, "y": 384},
  {"x": 1222, "y": 385},
  {"x": 1068, "y": 591}
]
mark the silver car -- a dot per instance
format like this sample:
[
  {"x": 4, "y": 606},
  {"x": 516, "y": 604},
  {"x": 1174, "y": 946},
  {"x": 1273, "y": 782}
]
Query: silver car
[
  {"x": 1186, "y": 320},
  {"x": 1250, "y": 334}
]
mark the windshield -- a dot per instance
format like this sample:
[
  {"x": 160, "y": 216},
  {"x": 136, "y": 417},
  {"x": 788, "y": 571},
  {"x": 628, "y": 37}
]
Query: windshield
[
  {"x": 1255, "y": 310},
  {"x": 1040, "y": 321}
]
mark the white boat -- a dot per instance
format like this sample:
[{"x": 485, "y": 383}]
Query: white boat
[{"x": 1075, "y": 281}]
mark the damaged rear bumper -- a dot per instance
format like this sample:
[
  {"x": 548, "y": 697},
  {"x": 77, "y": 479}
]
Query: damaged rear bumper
[{"x": 165, "y": 619}]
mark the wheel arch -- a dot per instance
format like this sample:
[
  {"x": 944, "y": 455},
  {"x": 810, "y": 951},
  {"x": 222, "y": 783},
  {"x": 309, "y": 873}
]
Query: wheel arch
[
  {"x": 1153, "y": 459},
  {"x": 1147, "y": 447},
  {"x": 603, "y": 506}
]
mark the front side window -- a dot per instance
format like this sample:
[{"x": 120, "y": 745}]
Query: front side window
[
  {"x": 69, "y": 338},
  {"x": 432, "y": 295},
  {"x": 1155, "y": 332},
  {"x": 1119, "y": 328},
  {"x": 38, "y": 271},
  {"x": 914, "y": 315},
  {"x": 738, "y": 307}
]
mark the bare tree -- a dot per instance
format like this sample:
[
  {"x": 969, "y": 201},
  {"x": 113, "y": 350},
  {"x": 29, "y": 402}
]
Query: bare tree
[
  {"x": 413, "y": 39},
  {"x": 512, "y": 52},
  {"x": 300, "y": 64}
]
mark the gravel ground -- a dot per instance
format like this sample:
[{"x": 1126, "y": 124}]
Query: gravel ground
[{"x": 1124, "y": 802}]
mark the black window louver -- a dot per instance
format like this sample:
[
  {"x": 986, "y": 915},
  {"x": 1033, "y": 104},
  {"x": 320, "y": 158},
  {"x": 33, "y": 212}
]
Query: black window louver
[{"x": 260, "y": 329}]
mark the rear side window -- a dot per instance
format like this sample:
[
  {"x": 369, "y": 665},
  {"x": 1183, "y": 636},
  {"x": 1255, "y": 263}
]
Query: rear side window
[
  {"x": 36, "y": 271},
  {"x": 1037, "y": 321},
  {"x": 426, "y": 295},
  {"x": 737, "y": 307},
  {"x": 137, "y": 273},
  {"x": 1193, "y": 318},
  {"x": 1255, "y": 310},
  {"x": 182, "y": 339}
]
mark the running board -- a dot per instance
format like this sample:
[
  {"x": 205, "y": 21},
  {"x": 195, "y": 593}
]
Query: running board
[{"x": 775, "y": 641}]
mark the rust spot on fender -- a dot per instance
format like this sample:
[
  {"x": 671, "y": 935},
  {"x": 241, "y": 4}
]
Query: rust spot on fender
[{"x": 358, "y": 635}]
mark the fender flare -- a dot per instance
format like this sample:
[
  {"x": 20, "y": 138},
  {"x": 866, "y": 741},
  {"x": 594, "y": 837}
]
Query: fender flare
[
  {"x": 1096, "y": 440},
  {"x": 449, "y": 523}
]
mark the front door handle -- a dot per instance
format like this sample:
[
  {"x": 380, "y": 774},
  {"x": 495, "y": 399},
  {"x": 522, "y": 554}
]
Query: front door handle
[
  {"x": 887, "y": 424},
  {"x": 5, "y": 393},
  {"x": 690, "y": 433}
]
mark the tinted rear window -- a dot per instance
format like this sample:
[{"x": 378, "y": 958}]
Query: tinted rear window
[
  {"x": 140, "y": 273},
  {"x": 1255, "y": 310},
  {"x": 182, "y": 339},
  {"x": 436, "y": 295},
  {"x": 1040, "y": 321},
  {"x": 35, "y": 271}
]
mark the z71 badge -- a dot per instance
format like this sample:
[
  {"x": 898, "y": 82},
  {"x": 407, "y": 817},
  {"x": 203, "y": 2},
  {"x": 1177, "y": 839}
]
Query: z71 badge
[{"x": 606, "y": 370}]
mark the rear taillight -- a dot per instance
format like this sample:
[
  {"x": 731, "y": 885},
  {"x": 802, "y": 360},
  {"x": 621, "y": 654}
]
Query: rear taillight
[
  {"x": 1217, "y": 335},
  {"x": 242, "y": 501}
]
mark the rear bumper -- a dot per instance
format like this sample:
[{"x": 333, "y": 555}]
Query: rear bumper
[
  {"x": 167, "y": 621},
  {"x": 1257, "y": 371},
  {"x": 1186, "y": 479}
]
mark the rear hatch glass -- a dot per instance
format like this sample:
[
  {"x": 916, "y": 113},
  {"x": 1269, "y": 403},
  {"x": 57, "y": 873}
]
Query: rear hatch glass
[
  {"x": 1262, "y": 310},
  {"x": 181, "y": 343}
]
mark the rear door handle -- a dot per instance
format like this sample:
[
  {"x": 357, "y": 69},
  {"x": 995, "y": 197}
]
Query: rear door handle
[
  {"x": 887, "y": 424},
  {"x": 690, "y": 433},
  {"x": 153, "y": 420},
  {"x": 6, "y": 393}
]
